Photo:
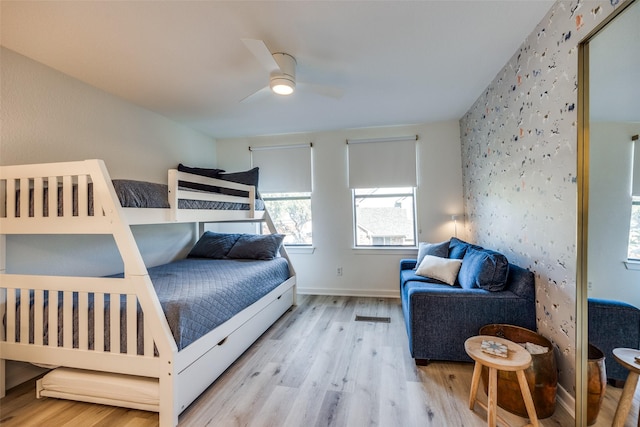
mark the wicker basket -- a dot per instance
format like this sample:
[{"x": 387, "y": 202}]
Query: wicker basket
[{"x": 542, "y": 375}]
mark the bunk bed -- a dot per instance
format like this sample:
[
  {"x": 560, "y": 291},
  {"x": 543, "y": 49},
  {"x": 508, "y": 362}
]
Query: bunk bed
[{"x": 139, "y": 349}]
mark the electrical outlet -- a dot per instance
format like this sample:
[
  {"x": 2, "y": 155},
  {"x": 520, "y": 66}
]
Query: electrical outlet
[
  {"x": 589, "y": 286},
  {"x": 339, "y": 271}
]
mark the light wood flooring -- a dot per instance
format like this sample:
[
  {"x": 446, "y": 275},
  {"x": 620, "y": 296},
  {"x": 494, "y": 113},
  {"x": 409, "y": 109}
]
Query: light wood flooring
[{"x": 315, "y": 367}]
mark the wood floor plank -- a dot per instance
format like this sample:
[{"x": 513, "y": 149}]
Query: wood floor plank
[
  {"x": 316, "y": 366},
  {"x": 307, "y": 404},
  {"x": 276, "y": 407},
  {"x": 333, "y": 411}
]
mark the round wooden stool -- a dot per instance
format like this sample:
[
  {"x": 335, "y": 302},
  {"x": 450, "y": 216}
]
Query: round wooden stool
[
  {"x": 518, "y": 359},
  {"x": 627, "y": 358}
]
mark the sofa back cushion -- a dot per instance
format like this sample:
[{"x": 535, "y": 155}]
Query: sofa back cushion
[
  {"x": 521, "y": 282},
  {"x": 457, "y": 248},
  {"x": 483, "y": 268}
]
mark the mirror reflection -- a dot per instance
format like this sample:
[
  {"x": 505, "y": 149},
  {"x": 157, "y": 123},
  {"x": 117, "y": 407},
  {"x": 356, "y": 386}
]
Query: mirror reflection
[{"x": 613, "y": 260}]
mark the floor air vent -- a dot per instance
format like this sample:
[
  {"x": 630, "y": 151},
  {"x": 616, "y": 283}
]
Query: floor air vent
[{"x": 373, "y": 319}]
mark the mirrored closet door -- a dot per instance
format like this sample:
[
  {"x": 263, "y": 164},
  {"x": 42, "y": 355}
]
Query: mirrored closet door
[{"x": 609, "y": 157}]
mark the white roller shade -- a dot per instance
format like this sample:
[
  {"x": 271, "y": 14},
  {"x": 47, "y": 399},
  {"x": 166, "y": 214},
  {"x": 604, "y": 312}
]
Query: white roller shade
[
  {"x": 284, "y": 168},
  {"x": 635, "y": 186},
  {"x": 382, "y": 163}
]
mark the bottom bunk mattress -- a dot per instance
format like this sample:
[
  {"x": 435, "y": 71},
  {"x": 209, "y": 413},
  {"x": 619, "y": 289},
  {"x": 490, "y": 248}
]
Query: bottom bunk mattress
[{"x": 197, "y": 294}]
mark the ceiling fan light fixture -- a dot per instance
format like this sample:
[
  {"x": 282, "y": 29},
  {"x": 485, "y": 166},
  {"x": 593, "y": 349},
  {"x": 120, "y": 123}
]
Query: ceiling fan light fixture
[{"x": 282, "y": 86}]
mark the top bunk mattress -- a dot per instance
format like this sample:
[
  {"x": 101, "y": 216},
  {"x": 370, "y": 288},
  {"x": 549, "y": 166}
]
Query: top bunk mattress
[
  {"x": 137, "y": 194},
  {"x": 142, "y": 194}
]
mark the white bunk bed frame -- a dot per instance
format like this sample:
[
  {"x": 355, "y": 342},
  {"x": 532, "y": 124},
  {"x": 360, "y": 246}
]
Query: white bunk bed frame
[{"x": 182, "y": 375}]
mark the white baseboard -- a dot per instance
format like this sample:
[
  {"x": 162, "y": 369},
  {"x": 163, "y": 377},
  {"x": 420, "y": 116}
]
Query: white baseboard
[
  {"x": 350, "y": 292},
  {"x": 567, "y": 401}
]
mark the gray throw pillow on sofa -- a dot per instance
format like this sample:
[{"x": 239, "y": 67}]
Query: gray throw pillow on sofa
[
  {"x": 483, "y": 268},
  {"x": 436, "y": 249}
]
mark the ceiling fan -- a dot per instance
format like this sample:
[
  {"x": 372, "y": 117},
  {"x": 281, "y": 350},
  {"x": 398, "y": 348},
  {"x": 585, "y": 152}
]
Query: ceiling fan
[{"x": 282, "y": 73}]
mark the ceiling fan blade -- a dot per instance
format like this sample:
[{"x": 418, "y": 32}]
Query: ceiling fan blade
[
  {"x": 260, "y": 93},
  {"x": 324, "y": 90},
  {"x": 262, "y": 54}
]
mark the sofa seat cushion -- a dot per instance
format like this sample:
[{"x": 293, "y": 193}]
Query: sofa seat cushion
[
  {"x": 483, "y": 268},
  {"x": 410, "y": 275}
]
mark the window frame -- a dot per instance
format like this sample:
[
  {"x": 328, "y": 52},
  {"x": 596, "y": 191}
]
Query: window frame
[
  {"x": 411, "y": 194},
  {"x": 635, "y": 201},
  {"x": 267, "y": 198}
]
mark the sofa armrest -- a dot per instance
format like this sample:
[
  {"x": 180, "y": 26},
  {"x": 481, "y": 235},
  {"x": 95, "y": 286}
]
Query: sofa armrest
[
  {"x": 613, "y": 324},
  {"x": 407, "y": 264}
]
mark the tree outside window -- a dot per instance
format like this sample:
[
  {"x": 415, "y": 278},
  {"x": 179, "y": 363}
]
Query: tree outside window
[{"x": 291, "y": 215}]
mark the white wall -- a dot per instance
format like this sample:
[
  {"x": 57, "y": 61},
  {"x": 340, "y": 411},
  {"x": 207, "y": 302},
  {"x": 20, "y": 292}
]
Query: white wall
[
  {"x": 47, "y": 116},
  {"x": 365, "y": 271},
  {"x": 610, "y": 168}
]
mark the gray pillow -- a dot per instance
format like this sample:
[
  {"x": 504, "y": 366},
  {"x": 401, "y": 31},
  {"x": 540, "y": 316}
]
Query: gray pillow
[
  {"x": 483, "y": 268},
  {"x": 249, "y": 177},
  {"x": 436, "y": 249},
  {"x": 213, "y": 245},
  {"x": 211, "y": 173},
  {"x": 256, "y": 246}
]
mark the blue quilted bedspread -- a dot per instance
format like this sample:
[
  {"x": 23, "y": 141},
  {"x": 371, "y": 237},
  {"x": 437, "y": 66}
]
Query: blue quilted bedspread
[{"x": 198, "y": 294}]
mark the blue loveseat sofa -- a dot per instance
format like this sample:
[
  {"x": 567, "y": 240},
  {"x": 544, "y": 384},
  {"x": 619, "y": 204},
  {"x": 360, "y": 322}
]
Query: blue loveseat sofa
[{"x": 440, "y": 317}]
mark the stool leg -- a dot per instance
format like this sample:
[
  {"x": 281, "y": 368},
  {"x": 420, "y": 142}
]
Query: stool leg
[
  {"x": 492, "y": 397},
  {"x": 526, "y": 396},
  {"x": 626, "y": 398},
  {"x": 475, "y": 380}
]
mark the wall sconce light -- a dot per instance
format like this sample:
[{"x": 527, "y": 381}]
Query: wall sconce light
[{"x": 454, "y": 218}]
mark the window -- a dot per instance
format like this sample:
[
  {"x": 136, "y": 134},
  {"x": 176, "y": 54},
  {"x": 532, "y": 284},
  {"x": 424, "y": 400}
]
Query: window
[
  {"x": 291, "y": 215},
  {"x": 382, "y": 178},
  {"x": 285, "y": 187},
  {"x": 633, "y": 252},
  {"x": 384, "y": 217},
  {"x": 634, "y": 231}
]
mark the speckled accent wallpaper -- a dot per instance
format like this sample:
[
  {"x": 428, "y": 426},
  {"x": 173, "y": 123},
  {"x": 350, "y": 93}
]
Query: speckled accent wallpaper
[{"x": 519, "y": 161}]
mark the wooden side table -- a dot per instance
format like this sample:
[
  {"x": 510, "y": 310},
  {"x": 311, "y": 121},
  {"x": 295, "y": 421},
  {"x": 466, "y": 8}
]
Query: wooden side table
[
  {"x": 627, "y": 358},
  {"x": 518, "y": 360}
]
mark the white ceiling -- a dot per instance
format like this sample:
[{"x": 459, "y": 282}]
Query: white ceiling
[{"x": 398, "y": 62}]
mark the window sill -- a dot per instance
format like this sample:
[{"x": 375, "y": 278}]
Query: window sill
[
  {"x": 300, "y": 249},
  {"x": 385, "y": 251},
  {"x": 632, "y": 265}
]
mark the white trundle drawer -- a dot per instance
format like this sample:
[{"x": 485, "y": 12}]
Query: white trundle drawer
[{"x": 194, "y": 379}]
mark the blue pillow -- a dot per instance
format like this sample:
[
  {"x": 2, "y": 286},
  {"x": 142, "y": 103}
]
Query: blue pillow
[
  {"x": 213, "y": 245},
  {"x": 436, "y": 249},
  {"x": 485, "y": 269},
  {"x": 457, "y": 248},
  {"x": 256, "y": 246}
]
